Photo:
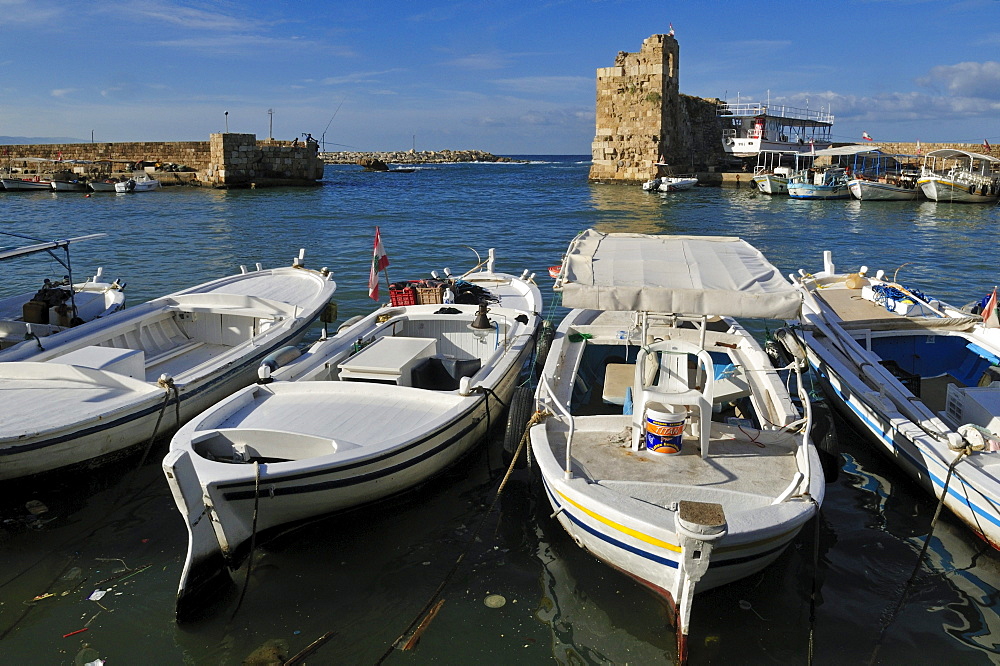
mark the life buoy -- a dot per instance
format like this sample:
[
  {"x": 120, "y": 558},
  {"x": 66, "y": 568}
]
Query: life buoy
[{"x": 729, "y": 141}]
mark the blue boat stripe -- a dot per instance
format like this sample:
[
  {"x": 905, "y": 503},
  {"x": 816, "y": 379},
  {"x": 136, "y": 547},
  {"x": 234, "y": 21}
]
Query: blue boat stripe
[
  {"x": 713, "y": 564},
  {"x": 938, "y": 482}
]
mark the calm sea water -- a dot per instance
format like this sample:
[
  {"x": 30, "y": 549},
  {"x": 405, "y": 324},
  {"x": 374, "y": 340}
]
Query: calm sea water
[{"x": 365, "y": 575}]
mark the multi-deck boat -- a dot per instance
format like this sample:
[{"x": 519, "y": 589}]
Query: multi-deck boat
[{"x": 750, "y": 127}]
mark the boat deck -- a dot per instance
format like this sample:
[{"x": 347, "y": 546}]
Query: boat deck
[
  {"x": 351, "y": 412},
  {"x": 734, "y": 463},
  {"x": 850, "y": 306}
]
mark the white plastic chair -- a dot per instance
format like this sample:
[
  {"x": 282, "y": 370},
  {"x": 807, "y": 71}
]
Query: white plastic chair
[{"x": 673, "y": 386}]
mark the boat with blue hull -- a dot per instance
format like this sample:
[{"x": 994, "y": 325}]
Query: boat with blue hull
[
  {"x": 918, "y": 376},
  {"x": 673, "y": 451}
]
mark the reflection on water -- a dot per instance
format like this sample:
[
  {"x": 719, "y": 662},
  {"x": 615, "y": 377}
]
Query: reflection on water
[{"x": 367, "y": 574}]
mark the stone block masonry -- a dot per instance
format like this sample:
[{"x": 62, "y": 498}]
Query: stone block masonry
[
  {"x": 239, "y": 160},
  {"x": 642, "y": 118},
  {"x": 224, "y": 161}
]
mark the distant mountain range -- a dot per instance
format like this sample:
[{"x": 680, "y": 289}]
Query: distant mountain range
[{"x": 30, "y": 140}]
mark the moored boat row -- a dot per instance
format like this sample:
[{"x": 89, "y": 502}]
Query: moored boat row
[
  {"x": 667, "y": 444},
  {"x": 945, "y": 176},
  {"x": 139, "y": 182}
]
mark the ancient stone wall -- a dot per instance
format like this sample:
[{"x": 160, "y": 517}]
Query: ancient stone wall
[
  {"x": 643, "y": 119},
  {"x": 239, "y": 160},
  {"x": 637, "y": 112},
  {"x": 193, "y": 154},
  {"x": 897, "y": 148},
  {"x": 225, "y": 160}
]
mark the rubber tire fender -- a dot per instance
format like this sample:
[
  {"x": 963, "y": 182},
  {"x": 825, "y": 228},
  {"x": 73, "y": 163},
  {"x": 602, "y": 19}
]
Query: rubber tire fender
[{"x": 522, "y": 406}]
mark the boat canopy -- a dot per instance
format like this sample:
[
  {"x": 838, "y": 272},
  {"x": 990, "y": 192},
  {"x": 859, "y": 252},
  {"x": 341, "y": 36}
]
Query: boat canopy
[
  {"x": 951, "y": 153},
  {"x": 42, "y": 246},
  {"x": 684, "y": 275},
  {"x": 853, "y": 149}
]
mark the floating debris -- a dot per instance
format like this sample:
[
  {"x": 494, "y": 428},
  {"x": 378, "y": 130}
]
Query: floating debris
[
  {"x": 274, "y": 651},
  {"x": 36, "y": 508},
  {"x": 745, "y": 605},
  {"x": 494, "y": 601}
]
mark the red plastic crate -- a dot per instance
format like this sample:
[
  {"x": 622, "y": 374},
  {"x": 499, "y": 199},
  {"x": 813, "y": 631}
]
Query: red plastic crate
[{"x": 407, "y": 296}]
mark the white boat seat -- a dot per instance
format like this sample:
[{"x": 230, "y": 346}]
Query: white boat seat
[
  {"x": 617, "y": 378},
  {"x": 673, "y": 387},
  {"x": 172, "y": 353}
]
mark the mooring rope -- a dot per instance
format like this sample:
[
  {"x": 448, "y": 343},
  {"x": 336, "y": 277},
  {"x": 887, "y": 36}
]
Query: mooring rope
[
  {"x": 812, "y": 586},
  {"x": 920, "y": 558},
  {"x": 433, "y": 600},
  {"x": 253, "y": 537},
  {"x": 164, "y": 382}
]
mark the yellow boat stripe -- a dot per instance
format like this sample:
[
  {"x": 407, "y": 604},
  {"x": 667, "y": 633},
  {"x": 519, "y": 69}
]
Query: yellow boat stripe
[
  {"x": 663, "y": 544},
  {"x": 621, "y": 528}
]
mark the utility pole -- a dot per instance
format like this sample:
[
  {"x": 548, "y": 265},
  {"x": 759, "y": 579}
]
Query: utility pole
[
  {"x": 227, "y": 122},
  {"x": 270, "y": 124}
]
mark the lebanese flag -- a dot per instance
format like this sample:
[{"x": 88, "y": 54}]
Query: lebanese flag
[
  {"x": 380, "y": 261},
  {"x": 986, "y": 145},
  {"x": 990, "y": 318},
  {"x": 866, "y": 137}
]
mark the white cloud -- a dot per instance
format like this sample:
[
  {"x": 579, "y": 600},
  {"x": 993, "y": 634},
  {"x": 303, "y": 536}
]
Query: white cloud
[
  {"x": 62, "y": 92},
  {"x": 968, "y": 79},
  {"x": 546, "y": 84},
  {"x": 187, "y": 17},
  {"x": 358, "y": 77},
  {"x": 481, "y": 61}
]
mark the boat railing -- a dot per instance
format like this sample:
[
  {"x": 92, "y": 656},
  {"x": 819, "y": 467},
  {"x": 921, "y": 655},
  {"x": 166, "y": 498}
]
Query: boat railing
[
  {"x": 778, "y": 111},
  {"x": 803, "y": 476},
  {"x": 549, "y": 397}
]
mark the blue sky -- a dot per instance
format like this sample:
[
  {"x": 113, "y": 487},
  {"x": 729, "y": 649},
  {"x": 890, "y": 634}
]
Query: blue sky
[{"x": 506, "y": 77}]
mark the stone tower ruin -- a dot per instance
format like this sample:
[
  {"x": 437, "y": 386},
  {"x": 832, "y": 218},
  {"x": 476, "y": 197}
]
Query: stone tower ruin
[{"x": 641, "y": 118}]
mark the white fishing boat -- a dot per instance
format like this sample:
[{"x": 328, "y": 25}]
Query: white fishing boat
[
  {"x": 139, "y": 182},
  {"x": 106, "y": 185},
  {"x": 652, "y": 362},
  {"x": 57, "y": 305},
  {"x": 773, "y": 169},
  {"x": 387, "y": 403},
  {"x": 670, "y": 184},
  {"x": 34, "y": 174},
  {"x": 750, "y": 127},
  {"x": 103, "y": 386},
  {"x": 27, "y": 184},
  {"x": 959, "y": 176},
  {"x": 69, "y": 185},
  {"x": 883, "y": 177},
  {"x": 918, "y": 376}
]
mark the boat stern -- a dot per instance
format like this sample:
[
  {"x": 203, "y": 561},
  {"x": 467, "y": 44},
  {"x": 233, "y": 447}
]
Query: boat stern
[{"x": 206, "y": 569}]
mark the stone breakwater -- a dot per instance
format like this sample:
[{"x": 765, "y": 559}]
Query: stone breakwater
[{"x": 413, "y": 157}]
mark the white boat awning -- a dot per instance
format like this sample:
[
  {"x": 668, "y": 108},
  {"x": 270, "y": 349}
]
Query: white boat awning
[
  {"x": 951, "y": 153},
  {"x": 689, "y": 275},
  {"x": 853, "y": 149}
]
